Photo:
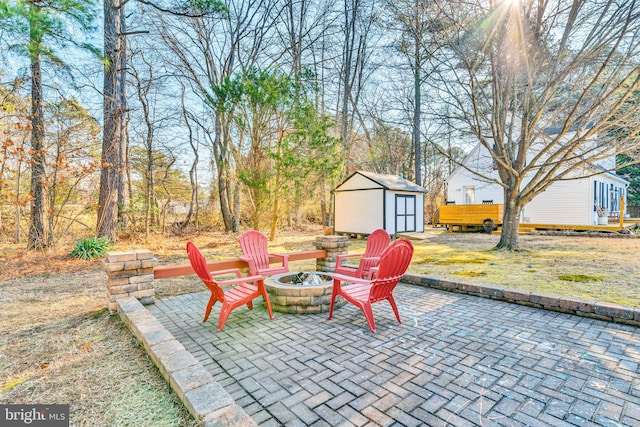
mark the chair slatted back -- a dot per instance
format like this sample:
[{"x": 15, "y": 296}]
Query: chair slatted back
[
  {"x": 199, "y": 264},
  {"x": 377, "y": 242},
  {"x": 394, "y": 263},
  {"x": 254, "y": 245}
]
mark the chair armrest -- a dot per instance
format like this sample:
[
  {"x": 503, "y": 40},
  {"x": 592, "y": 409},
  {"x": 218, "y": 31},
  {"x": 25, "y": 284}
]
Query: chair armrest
[
  {"x": 367, "y": 264},
  {"x": 225, "y": 272},
  {"x": 350, "y": 279},
  {"x": 241, "y": 280},
  {"x": 339, "y": 258},
  {"x": 250, "y": 262},
  {"x": 373, "y": 272},
  {"x": 285, "y": 259}
]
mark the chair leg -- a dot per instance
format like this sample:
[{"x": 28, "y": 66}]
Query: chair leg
[
  {"x": 334, "y": 295},
  {"x": 265, "y": 295},
  {"x": 368, "y": 314},
  {"x": 333, "y": 300},
  {"x": 250, "y": 305},
  {"x": 395, "y": 307},
  {"x": 210, "y": 304},
  {"x": 224, "y": 315}
]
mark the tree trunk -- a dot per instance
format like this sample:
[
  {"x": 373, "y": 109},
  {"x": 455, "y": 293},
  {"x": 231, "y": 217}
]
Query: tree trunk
[
  {"x": 193, "y": 173},
  {"x": 37, "y": 230},
  {"x": 193, "y": 203},
  {"x": 417, "y": 76},
  {"x": 276, "y": 192},
  {"x": 17, "y": 203},
  {"x": 111, "y": 174},
  {"x": 509, "y": 238},
  {"x": 323, "y": 205},
  {"x": 122, "y": 70},
  {"x": 150, "y": 187},
  {"x": 221, "y": 167},
  {"x": 347, "y": 59},
  {"x": 236, "y": 209},
  {"x": 129, "y": 182},
  {"x": 53, "y": 193}
]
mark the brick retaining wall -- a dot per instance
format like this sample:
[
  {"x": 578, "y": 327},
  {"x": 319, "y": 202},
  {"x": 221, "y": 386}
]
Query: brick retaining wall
[{"x": 578, "y": 306}]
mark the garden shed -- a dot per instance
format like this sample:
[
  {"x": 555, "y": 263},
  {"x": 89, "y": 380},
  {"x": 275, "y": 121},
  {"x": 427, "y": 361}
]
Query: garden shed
[{"x": 366, "y": 201}]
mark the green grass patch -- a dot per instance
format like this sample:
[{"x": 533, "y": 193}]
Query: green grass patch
[
  {"x": 580, "y": 278},
  {"x": 426, "y": 260},
  {"x": 469, "y": 258}
]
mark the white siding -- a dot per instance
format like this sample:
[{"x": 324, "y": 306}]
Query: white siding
[
  {"x": 460, "y": 178},
  {"x": 565, "y": 202},
  {"x": 357, "y": 182},
  {"x": 358, "y": 211}
]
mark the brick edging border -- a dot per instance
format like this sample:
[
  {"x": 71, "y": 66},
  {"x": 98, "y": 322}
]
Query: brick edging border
[
  {"x": 203, "y": 397},
  {"x": 587, "y": 308}
]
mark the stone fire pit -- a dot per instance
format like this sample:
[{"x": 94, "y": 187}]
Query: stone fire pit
[{"x": 300, "y": 293}]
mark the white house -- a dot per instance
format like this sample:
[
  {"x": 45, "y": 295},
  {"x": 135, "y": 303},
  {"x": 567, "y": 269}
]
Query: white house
[
  {"x": 567, "y": 202},
  {"x": 366, "y": 201}
]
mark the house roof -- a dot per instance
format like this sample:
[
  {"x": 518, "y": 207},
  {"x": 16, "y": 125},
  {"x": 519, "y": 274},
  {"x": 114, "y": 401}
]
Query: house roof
[
  {"x": 389, "y": 182},
  {"x": 610, "y": 174},
  {"x": 554, "y": 130},
  {"x": 588, "y": 164}
]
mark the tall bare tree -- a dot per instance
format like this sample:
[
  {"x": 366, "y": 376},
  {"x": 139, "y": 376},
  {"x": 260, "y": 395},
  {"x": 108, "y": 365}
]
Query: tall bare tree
[
  {"x": 358, "y": 18},
  {"x": 413, "y": 24},
  {"x": 114, "y": 108},
  {"x": 41, "y": 29},
  {"x": 520, "y": 68},
  {"x": 194, "y": 210},
  {"x": 143, "y": 79},
  {"x": 38, "y": 238},
  {"x": 301, "y": 25},
  {"x": 206, "y": 51}
]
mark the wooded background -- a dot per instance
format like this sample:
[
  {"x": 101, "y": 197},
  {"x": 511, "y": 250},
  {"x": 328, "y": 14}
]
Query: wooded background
[{"x": 167, "y": 116}]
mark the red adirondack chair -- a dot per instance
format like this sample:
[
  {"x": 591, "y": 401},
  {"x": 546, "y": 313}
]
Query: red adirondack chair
[
  {"x": 362, "y": 293},
  {"x": 256, "y": 254},
  {"x": 377, "y": 242},
  {"x": 247, "y": 289}
]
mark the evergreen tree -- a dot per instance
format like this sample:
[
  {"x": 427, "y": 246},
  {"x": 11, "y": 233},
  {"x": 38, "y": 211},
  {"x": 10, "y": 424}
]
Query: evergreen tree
[{"x": 37, "y": 29}]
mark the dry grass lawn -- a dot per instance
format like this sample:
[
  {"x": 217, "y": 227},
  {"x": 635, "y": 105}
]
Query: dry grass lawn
[
  {"x": 595, "y": 268},
  {"x": 58, "y": 344}
]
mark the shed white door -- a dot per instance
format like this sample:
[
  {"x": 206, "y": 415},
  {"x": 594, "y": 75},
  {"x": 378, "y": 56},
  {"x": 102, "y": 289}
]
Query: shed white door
[{"x": 405, "y": 213}]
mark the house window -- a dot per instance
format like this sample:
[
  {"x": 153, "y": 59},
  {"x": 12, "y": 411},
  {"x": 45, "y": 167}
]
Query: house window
[
  {"x": 469, "y": 195},
  {"x": 611, "y": 200}
]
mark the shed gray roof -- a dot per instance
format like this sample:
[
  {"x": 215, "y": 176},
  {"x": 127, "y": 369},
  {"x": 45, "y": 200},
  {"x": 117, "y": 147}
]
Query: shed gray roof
[{"x": 389, "y": 182}]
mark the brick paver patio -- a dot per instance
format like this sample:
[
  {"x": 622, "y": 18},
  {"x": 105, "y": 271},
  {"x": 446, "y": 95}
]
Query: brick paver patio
[{"x": 455, "y": 360}]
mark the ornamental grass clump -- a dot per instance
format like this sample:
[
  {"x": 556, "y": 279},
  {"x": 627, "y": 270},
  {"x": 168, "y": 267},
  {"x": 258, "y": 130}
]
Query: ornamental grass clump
[{"x": 90, "y": 248}]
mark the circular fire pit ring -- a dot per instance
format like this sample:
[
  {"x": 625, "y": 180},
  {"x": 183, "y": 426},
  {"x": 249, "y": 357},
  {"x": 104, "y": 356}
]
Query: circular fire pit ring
[{"x": 313, "y": 295}]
